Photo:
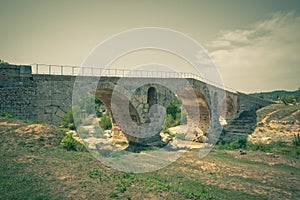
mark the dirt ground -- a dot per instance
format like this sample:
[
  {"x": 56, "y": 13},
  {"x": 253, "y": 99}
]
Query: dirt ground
[{"x": 228, "y": 174}]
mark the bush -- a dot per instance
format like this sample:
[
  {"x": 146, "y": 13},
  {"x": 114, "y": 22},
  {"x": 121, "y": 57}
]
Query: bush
[
  {"x": 175, "y": 115},
  {"x": 82, "y": 107},
  {"x": 105, "y": 122},
  {"x": 237, "y": 144},
  {"x": 260, "y": 147},
  {"x": 296, "y": 140},
  {"x": 68, "y": 142},
  {"x": 6, "y": 114},
  {"x": 68, "y": 119},
  {"x": 169, "y": 121},
  {"x": 35, "y": 121},
  {"x": 174, "y": 107},
  {"x": 287, "y": 99},
  {"x": 71, "y": 126}
]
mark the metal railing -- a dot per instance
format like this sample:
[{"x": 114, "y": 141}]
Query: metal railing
[{"x": 93, "y": 71}]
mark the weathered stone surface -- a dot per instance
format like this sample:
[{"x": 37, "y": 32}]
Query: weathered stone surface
[{"x": 48, "y": 97}]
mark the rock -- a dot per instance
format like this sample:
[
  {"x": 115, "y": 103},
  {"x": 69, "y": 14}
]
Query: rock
[
  {"x": 199, "y": 135},
  {"x": 107, "y": 133},
  {"x": 266, "y": 140},
  {"x": 242, "y": 152},
  {"x": 166, "y": 137},
  {"x": 272, "y": 155}
]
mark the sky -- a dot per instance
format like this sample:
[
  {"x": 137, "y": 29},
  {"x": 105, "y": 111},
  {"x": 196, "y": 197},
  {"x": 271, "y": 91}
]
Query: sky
[{"x": 254, "y": 44}]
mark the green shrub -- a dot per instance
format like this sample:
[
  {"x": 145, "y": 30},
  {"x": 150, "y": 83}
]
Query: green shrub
[
  {"x": 35, "y": 121},
  {"x": 71, "y": 126},
  {"x": 105, "y": 122},
  {"x": 69, "y": 143},
  {"x": 95, "y": 173},
  {"x": 174, "y": 107},
  {"x": 296, "y": 140},
  {"x": 98, "y": 113},
  {"x": 237, "y": 144},
  {"x": 260, "y": 147},
  {"x": 68, "y": 119},
  {"x": 175, "y": 115},
  {"x": 6, "y": 114},
  {"x": 287, "y": 99},
  {"x": 169, "y": 121}
]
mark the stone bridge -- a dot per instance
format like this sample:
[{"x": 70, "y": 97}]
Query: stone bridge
[{"x": 48, "y": 97}]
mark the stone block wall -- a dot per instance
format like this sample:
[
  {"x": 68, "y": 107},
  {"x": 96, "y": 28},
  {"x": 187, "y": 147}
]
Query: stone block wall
[
  {"x": 49, "y": 97},
  {"x": 29, "y": 96}
]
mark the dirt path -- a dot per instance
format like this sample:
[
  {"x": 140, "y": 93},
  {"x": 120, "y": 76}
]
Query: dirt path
[{"x": 264, "y": 120}]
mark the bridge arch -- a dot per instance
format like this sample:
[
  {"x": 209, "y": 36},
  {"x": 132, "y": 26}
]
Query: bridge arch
[
  {"x": 202, "y": 107},
  {"x": 105, "y": 95},
  {"x": 227, "y": 110}
]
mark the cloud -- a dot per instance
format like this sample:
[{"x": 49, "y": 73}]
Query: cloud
[{"x": 262, "y": 56}]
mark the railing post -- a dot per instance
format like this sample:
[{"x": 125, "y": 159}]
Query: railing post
[
  {"x": 37, "y": 68},
  {"x": 61, "y": 70},
  {"x": 49, "y": 69}
]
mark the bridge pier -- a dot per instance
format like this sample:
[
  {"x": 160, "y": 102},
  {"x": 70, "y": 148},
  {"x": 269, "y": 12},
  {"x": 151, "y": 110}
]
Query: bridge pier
[{"x": 48, "y": 97}]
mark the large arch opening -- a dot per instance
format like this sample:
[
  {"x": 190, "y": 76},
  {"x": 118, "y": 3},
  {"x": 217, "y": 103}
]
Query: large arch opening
[
  {"x": 194, "y": 107},
  {"x": 120, "y": 102},
  {"x": 227, "y": 110}
]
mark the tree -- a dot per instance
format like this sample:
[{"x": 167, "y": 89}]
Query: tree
[
  {"x": 287, "y": 99},
  {"x": 173, "y": 108}
]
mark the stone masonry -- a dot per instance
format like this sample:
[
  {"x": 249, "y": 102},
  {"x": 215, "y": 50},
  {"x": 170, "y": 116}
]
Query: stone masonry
[{"x": 48, "y": 97}]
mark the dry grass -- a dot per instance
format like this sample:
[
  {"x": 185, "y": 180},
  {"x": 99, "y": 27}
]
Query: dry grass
[{"x": 31, "y": 168}]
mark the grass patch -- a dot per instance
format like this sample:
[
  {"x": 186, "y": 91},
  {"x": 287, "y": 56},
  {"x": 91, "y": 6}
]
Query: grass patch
[
  {"x": 30, "y": 172},
  {"x": 18, "y": 181},
  {"x": 276, "y": 147}
]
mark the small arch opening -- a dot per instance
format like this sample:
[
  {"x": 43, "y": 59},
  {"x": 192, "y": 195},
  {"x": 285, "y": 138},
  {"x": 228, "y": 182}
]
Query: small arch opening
[{"x": 151, "y": 96}]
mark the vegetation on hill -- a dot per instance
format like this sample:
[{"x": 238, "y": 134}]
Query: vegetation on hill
[
  {"x": 285, "y": 96},
  {"x": 2, "y": 62},
  {"x": 277, "y": 131}
]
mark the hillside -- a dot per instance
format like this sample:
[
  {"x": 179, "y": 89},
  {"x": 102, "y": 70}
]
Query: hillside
[
  {"x": 276, "y": 123},
  {"x": 276, "y": 95}
]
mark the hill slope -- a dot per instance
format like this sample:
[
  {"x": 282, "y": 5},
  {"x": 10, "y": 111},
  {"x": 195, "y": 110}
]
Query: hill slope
[
  {"x": 276, "y": 123},
  {"x": 275, "y": 95}
]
